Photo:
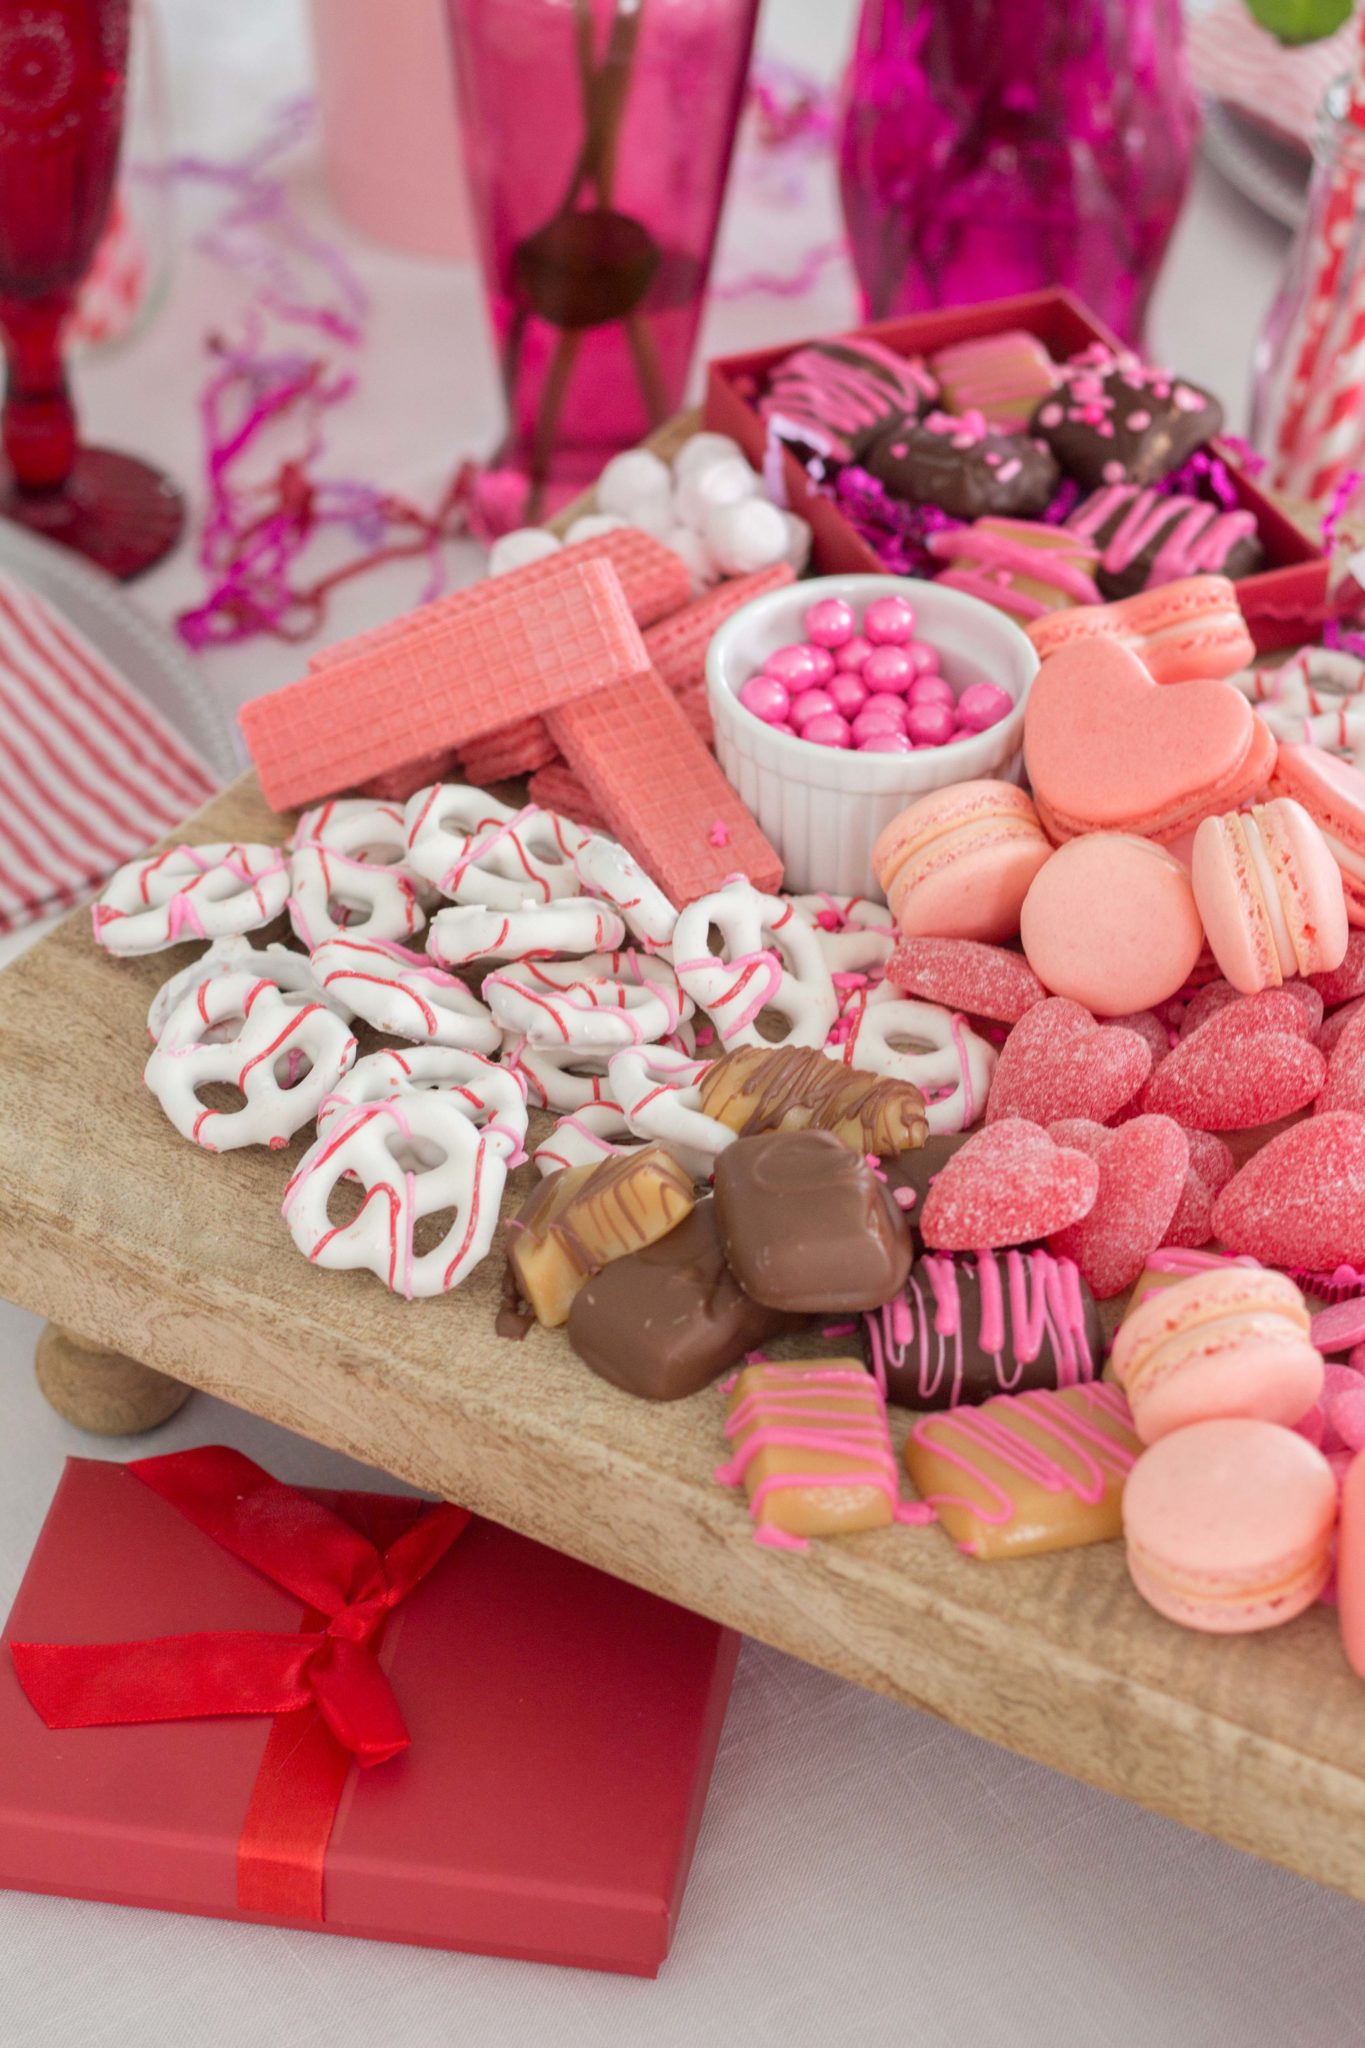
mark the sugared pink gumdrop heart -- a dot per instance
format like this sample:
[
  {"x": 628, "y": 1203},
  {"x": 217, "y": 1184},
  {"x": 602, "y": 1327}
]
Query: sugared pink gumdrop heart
[
  {"x": 1059, "y": 1062},
  {"x": 1009, "y": 1184},
  {"x": 1344, "y": 1087},
  {"x": 1300, "y": 1200},
  {"x": 1340, "y": 1021},
  {"x": 1210, "y": 1169},
  {"x": 1346, "y": 982},
  {"x": 1231, "y": 1075},
  {"x": 1148, "y": 1026},
  {"x": 1295, "y": 1008},
  {"x": 964, "y": 974},
  {"x": 1142, "y": 1172},
  {"x": 1343, "y": 1400}
]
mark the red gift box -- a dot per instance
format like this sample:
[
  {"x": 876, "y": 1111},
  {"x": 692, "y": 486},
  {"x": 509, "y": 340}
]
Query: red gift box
[
  {"x": 562, "y": 1728},
  {"x": 1283, "y": 603}
]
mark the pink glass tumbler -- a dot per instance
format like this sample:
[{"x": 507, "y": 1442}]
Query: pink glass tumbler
[
  {"x": 598, "y": 136},
  {"x": 997, "y": 146}
]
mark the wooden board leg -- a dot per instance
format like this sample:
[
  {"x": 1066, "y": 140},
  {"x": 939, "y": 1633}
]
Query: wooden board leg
[{"x": 103, "y": 1391}]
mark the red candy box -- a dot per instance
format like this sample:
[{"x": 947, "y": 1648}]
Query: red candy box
[{"x": 381, "y": 1718}]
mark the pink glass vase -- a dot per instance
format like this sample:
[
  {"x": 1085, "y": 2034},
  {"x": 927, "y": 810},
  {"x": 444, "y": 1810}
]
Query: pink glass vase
[
  {"x": 598, "y": 136},
  {"x": 998, "y": 146}
]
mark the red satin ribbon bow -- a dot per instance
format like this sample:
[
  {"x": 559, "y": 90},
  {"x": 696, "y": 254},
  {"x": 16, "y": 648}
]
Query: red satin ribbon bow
[{"x": 332, "y": 1702}]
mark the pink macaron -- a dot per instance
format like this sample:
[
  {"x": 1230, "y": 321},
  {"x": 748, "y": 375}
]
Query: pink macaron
[
  {"x": 1111, "y": 922},
  {"x": 1332, "y": 791},
  {"x": 1229, "y": 1525},
  {"x": 1232, "y": 1340},
  {"x": 958, "y": 863},
  {"x": 1270, "y": 895}
]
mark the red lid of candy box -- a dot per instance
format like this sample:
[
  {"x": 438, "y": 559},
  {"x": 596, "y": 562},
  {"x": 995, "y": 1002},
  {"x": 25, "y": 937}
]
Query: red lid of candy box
[
  {"x": 562, "y": 1731},
  {"x": 1282, "y": 602}
]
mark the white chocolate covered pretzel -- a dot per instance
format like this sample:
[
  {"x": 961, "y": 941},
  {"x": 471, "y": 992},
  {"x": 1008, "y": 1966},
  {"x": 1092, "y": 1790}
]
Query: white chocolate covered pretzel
[
  {"x": 291, "y": 972},
  {"x": 607, "y": 870},
  {"x": 538, "y": 931},
  {"x": 592, "y": 1005},
  {"x": 331, "y": 893},
  {"x": 190, "y": 892},
  {"x": 490, "y": 1096},
  {"x": 365, "y": 827},
  {"x": 477, "y": 850},
  {"x": 856, "y": 934},
  {"x": 415, "y": 1155},
  {"x": 404, "y": 994},
  {"x": 282, "y": 1059},
  {"x": 563, "y": 1082},
  {"x": 585, "y": 1138},
  {"x": 657, "y": 1090},
  {"x": 770, "y": 960},
  {"x": 927, "y": 1045}
]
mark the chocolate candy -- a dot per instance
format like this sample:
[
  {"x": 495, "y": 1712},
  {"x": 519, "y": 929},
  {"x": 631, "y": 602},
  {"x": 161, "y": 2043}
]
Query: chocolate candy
[
  {"x": 665, "y": 1321},
  {"x": 1146, "y": 539},
  {"x": 578, "y": 1221},
  {"x": 796, "y": 1088},
  {"x": 908, "y": 1174},
  {"x": 806, "y": 1225},
  {"x": 1027, "y": 1473},
  {"x": 812, "y": 1451},
  {"x": 1115, "y": 420},
  {"x": 835, "y": 396},
  {"x": 969, "y": 1325},
  {"x": 962, "y": 465}
]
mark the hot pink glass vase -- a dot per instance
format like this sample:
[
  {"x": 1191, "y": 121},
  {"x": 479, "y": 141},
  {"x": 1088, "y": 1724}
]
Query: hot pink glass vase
[
  {"x": 598, "y": 136},
  {"x": 998, "y": 146}
]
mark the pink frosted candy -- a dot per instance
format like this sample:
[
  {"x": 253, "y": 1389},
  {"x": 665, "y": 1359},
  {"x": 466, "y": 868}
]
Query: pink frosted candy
[
  {"x": 1009, "y": 1184},
  {"x": 1295, "y": 1008},
  {"x": 1340, "y": 1327},
  {"x": 1345, "y": 1084},
  {"x": 889, "y": 621},
  {"x": 1346, "y": 982},
  {"x": 924, "y": 657},
  {"x": 1230, "y": 1075},
  {"x": 1142, "y": 1175},
  {"x": 1058, "y": 1062},
  {"x": 798, "y": 667},
  {"x": 1297, "y": 1202},
  {"x": 853, "y": 653},
  {"x": 963, "y": 974},
  {"x": 881, "y": 704},
  {"x": 1338, "y": 1023},
  {"x": 930, "y": 725},
  {"x": 931, "y": 690},
  {"x": 849, "y": 693},
  {"x": 1147, "y": 1025},
  {"x": 982, "y": 705},
  {"x": 881, "y": 740},
  {"x": 767, "y": 698},
  {"x": 812, "y": 704},
  {"x": 828, "y": 730},
  {"x": 830, "y": 623},
  {"x": 889, "y": 668},
  {"x": 1210, "y": 1169}
]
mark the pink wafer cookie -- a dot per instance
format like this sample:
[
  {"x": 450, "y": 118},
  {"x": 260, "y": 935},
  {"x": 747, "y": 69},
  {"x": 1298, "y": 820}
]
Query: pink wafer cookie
[
  {"x": 557, "y": 788},
  {"x": 514, "y": 750},
  {"x": 450, "y": 682},
  {"x": 677, "y": 647},
  {"x": 661, "y": 792},
  {"x": 655, "y": 580}
]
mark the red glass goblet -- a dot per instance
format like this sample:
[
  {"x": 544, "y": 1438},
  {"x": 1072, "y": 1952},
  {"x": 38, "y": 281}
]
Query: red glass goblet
[{"x": 63, "y": 66}]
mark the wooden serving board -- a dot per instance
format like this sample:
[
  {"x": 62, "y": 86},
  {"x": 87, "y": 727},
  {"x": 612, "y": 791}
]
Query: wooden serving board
[{"x": 114, "y": 1227}]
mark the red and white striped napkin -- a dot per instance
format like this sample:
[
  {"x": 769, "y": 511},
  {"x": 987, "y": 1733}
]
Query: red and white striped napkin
[
  {"x": 89, "y": 772},
  {"x": 1234, "y": 59}
]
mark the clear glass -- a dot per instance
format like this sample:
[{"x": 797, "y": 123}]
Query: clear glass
[
  {"x": 1305, "y": 338},
  {"x": 598, "y": 136},
  {"x": 998, "y": 146}
]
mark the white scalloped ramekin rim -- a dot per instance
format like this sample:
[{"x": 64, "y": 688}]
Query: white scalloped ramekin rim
[{"x": 823, "y": 807}]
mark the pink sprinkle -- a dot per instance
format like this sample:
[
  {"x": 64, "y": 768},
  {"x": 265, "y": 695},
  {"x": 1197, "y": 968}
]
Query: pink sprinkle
[
  {"x": 756, "y": 1358},
  {"x": 705, "y": 1034},
  {"x": 904, "y": 1197},
  {"x": 719, "y": 835},
  {"x": 838, "y": 1329}
]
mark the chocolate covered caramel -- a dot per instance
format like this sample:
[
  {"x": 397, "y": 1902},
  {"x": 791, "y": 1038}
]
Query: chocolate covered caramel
[
  {"x": 805, "y": 1224},
  {"x": 793, "y": 1088},
  {"x": 578, "y": 1221}
]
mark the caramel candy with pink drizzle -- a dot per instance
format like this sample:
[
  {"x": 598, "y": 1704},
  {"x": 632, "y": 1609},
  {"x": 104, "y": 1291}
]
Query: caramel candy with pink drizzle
[
  {"x": 812, "y": 1451},
  {"x": 578, "y": 1221},
  {"x": 1026, "y": 1473},
  {"x": 796, "y": 1088}
]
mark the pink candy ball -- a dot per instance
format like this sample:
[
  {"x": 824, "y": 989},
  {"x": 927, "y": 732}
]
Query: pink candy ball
[
  {"x": 889, "y": 709},
  {"x": 924, "y": 657},
  {"x": 983, "y": 704},
  {"x": 868, "y": 724},
  {"x": 931, "y": 690},
  {"x": 889, "y": 621},
  {"x": 930, "y": 725},
  {"x": 889, "y": 668},
  {"x": 829, "y": 730},
  {"x": 812, "y": 704},
  {"x": 853, "y": 653},
  {"x": 882, "y": 742},
  {"x": 830, "y": 623},
  {"x": 798, "y": 666},
  {"x": 767, "y": 698},
  {"x": 781, "y": 725},
  {"x": 848, "y": 692}
]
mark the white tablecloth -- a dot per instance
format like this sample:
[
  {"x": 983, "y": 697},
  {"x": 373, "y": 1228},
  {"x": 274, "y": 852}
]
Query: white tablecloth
[{"x": 865, "y": 1875}]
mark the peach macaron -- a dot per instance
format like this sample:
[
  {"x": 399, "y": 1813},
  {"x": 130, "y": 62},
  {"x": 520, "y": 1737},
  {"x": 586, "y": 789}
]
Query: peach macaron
[
  {"x": 1229, "y": 1525},
  {"x": 1270, "y": 895},
  {"x": 958, "y": 863},
  {"x": 1332, "y": 791},
  {"x": 1111, "y": 922},
  {"x": 1233, "y": 1340}
]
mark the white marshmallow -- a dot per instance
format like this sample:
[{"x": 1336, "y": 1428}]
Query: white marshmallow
[
  {"x": 798, "y": 542},
  {"x": 634, "y": 485},
  {"x": 592, "y": 525},
  {"x": 696, "y": 554},
  {"x": 701, "y": 450},
  {"x": 746, "y": 537},
  {"x": 726, "y": 480},
  {"x": 515, "y": 550}
]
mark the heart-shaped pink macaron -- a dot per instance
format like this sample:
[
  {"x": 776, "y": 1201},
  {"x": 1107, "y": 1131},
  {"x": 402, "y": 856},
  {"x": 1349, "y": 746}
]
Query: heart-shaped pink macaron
[
  {"x": 1059, "y": 1062},
  {"x": 1300, "y": 1200},
  {"x": 1344, "y": 1087},
  {"x": 1109, "y": 749},
  {"x": 1009, "y": 1184},
  {"x": 1142, "y": 1175}
]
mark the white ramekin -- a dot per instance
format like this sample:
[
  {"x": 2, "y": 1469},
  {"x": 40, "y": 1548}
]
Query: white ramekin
[{"x": 823, "y": 807}]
